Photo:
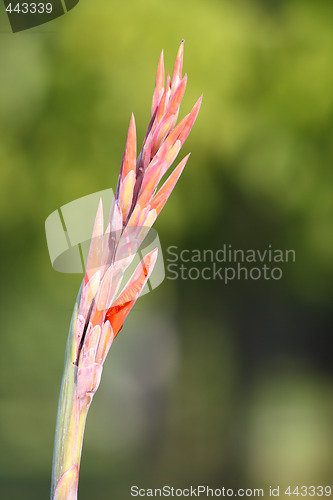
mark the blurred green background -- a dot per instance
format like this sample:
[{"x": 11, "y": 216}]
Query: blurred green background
[{"x": 225, "y": 385}]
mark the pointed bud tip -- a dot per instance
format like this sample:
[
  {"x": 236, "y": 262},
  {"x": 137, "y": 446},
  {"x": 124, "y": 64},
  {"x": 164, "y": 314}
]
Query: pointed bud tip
[
  {"x": 196, "y": 107},
  {"x": 182, "y": 163},
  {"x": 198, "y": 103},
  {"x": 132, "y": 128}
]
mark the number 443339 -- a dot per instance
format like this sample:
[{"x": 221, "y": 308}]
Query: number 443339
[
  {"x": 29, "y": 8},
  {"x": 311, "y": 491}
]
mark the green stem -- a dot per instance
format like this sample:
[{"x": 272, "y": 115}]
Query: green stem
[{"x": 71, "y": 418}]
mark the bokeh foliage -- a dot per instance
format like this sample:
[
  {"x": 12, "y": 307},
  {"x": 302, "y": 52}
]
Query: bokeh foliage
[{"x": 210, "y": 383}]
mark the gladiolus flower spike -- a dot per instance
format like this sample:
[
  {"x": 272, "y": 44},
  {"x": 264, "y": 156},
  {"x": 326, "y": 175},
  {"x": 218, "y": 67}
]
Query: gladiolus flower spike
[{"x": 99, "y": 313}]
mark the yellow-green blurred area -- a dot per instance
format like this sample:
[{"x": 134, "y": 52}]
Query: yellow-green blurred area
[{"x": 225, "y": 385}]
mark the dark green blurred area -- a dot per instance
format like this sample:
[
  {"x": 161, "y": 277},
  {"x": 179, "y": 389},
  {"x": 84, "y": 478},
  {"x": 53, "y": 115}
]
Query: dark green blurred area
[{"x": 208, "y": 383}]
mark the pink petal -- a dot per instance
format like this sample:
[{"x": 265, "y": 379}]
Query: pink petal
[
  {"x": 151, "y": 179},
  {"x": 122, "y": 306},
  {"x": 129, "y": 159},
  {"x": 177, "y": 98},
  {"x": 88, "y": 380},
  {"x": 177, "y": 70},
  {"x": 146, "y": 225},
  {"x": 91, "y": 342},
  {"x": 126, "y": 193},
  {"x": 96, "y": 245},
  {"x": 89, "y": 292},
  {"x": 192, "y": 117},
  {"x": 105, "y": 342},
  {"x": 103, "y": 297},
  {"x": 161, "y": 132},
  {"x": 158, "y": 85},
  {"x": 163, "y": 194}
]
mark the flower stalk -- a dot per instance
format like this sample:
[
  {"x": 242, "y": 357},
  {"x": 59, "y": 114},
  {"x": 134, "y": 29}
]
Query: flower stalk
[{"x": 100, "y": 310}]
